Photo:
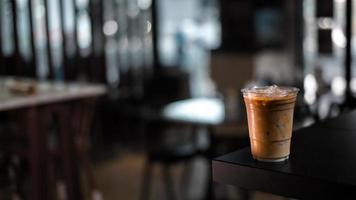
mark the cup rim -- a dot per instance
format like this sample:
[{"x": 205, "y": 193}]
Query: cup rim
[{"x": 254, "y": 89}]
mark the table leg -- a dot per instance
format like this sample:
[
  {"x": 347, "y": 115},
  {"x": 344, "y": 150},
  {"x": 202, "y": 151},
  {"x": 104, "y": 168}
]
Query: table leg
[
  {"x": 71, "y": 173},
  {"x": 84, "y": 114},
  {"x": 74, "y": 124},
  {"x": 37, "y": 154}
]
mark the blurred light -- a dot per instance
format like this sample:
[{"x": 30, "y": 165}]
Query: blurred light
[
  {"x": 133, "y": 11},
  {"x": 110, "y": 28},
  {"x": 310, "y": 88},
  {"x": 69, "y": 21},
  {"x": 124, "y": 43},
  {"x": 353, "y": 85},
  {"x": 339, "y": 1},
  {"x": 338, "y": 38},
  {"x": 204, "y": 110},
  {"x": 210, "y": 34},
  {"x": 149, "y": 26},
  {"x": 40, "y": 11},
  {"x": 136, "y": 44},
  {"x": 310, "y": 83},
  {"x": 84, "y": 28},
  {"x": 21, "y": 3},
  {"x": 112, "y": 72},
  {"x": 144, "y": 4},
  {"x": 338, "y": 85},
  {"x": 189, "y": 29},
  {"x": 324, "y": 109},
  {"x": 7, "y": 39},
  {"x": 309, "y": 97},
  {"x": 81, "y": 4},
  {"x": 23, "y": 32},
  {"x": 325, "y": 23}
]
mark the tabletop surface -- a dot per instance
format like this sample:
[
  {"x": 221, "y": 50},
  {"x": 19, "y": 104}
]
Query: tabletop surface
[
  {"x": 207, "y": 110},
  {"x": 323, "y": 157},
  {"x": 46, "y": 92}
]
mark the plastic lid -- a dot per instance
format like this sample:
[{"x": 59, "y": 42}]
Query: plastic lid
[{"x": 270, "y": 91}]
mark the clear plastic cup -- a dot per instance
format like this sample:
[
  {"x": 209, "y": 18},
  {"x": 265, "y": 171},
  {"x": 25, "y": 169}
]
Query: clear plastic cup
[{"x": 270, "y": 121}]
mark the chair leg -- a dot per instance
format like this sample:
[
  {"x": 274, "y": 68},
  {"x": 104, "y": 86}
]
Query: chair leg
[
  {"x": 210, "y": 189},
  {"x": 146, "y": 181},
  {"x": 14, "y": 173},
  {"x": 85, "y": 160},
  {"x": 52, "y": 176},
  {"x": 185, "y": 180},
  {"x": 168, "y": 182}
]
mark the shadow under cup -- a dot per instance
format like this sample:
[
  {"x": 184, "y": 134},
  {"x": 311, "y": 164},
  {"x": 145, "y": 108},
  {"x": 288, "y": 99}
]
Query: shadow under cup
[{"x": 270, "y": 121}]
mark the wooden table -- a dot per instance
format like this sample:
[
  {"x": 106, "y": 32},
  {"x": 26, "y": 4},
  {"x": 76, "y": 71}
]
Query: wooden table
[
  {"x": 322, "y": 164},
  {"x": 70, "y": 101}
]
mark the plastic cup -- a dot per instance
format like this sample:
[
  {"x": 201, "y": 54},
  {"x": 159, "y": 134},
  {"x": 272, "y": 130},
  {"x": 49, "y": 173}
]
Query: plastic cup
[{"x": 270, "y": 121}]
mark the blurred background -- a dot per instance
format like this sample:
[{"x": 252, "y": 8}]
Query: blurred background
[{"x": 173, "y": 70}]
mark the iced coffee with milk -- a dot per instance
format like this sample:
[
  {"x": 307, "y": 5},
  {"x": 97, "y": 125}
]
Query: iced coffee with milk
[{"x": 270, "y": 121}]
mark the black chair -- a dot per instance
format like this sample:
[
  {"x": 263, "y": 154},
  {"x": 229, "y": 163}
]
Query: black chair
[{"x": 165, "y": 154}]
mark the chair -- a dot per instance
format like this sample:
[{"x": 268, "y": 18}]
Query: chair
[{"x": 163, "y": 153}]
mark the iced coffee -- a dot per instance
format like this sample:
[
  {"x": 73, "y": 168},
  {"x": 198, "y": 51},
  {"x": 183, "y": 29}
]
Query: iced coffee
[{"x": 270, "y": 120}]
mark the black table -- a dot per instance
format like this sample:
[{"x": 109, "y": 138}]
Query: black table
[{"x": 322, "y": 164}]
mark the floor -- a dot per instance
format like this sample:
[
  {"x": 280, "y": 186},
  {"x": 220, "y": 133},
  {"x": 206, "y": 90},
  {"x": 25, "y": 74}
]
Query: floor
[{"x": 120, "y": 178}]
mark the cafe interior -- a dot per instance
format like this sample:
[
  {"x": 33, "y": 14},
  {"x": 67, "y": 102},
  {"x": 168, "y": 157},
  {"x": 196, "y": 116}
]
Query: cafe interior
[{"x": 137, "y": 99}]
